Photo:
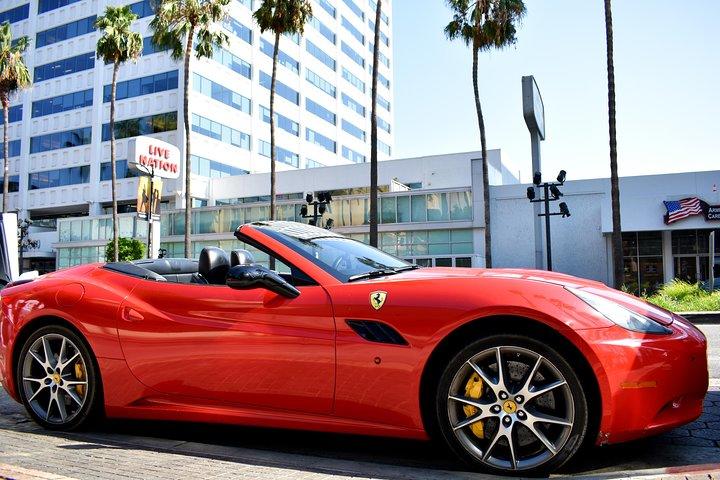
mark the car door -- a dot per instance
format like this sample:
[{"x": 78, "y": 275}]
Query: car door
[{"x": 241, "y": 347}]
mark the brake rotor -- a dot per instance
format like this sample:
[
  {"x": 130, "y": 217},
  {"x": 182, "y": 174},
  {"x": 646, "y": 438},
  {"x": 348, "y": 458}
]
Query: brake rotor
[{"x": 474, "y": 389}]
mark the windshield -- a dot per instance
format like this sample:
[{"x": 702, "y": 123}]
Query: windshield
[{"x": 344, "y": 258}]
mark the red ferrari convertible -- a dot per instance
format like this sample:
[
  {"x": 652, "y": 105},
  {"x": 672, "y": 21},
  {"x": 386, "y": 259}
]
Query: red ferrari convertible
[{"x": 514, "y": 370}]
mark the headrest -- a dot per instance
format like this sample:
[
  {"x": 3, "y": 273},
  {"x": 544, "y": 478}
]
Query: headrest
[
  {"x": 241, "y": 257},
  {"x": 214, "y": 265}
]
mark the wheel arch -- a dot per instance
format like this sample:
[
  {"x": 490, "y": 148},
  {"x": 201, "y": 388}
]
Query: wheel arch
[
  {"x": 34, "y": 325},
  {"x": 504, "y": 324}
]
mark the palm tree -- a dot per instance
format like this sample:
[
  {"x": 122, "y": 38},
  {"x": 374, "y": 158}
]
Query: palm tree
[
  {"x": 484, "y": 25},
  {"x": 282, "y": 17},
  {"x": 14, "y": 76},
  {"x": 117, "y": 45},
  {"x": 373, "y": 134},
  {"x": 176, "y": 26},
  {"x": 617, "y": 252}
]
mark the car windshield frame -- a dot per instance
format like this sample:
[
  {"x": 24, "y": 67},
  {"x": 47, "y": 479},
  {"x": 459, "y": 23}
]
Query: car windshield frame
[{"x": 294, "y": 243}]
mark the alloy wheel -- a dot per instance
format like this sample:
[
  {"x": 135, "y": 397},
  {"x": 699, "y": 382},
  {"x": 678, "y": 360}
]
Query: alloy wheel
[
  {"x": 54, "y": 379},
  {"x": 510, "y": 408}
]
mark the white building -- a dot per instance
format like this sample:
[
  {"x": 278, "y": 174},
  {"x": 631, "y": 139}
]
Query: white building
[{"x": 59, "y": 153}]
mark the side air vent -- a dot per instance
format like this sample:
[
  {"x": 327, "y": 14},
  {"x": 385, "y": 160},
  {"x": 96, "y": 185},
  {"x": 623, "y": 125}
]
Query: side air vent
[{"x": 376, "y": 332}]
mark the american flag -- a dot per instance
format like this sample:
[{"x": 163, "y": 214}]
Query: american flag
[{"x": 679, "y": 209}]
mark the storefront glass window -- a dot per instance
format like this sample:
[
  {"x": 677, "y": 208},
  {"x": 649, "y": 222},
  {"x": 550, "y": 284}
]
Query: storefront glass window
[{"x": 643, "y": 261}]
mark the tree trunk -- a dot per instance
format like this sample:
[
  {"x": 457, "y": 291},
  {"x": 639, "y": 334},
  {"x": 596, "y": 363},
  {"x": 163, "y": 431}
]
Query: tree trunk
[
  {"x": 272, "y": 126},
  {"x": 113, "y": 183},
  {"x": 374, "y": 135},
  {"x": 483, "y": 147},
  {"x": 186, "y": 121},
  {"x": 6, "y": 151},
  {"x": 617, "y": 252}
]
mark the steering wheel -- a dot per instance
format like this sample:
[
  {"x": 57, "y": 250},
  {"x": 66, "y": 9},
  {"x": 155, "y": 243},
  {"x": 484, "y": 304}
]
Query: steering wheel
[{"x": 343, "y": 262}]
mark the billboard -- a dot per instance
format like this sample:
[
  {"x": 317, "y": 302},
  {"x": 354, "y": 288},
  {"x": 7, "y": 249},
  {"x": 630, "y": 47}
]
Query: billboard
[{"x": 150, "y": 156}]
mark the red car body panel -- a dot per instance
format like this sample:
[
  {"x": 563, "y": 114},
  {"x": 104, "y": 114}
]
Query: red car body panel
[{"x": 213, "y": 354}]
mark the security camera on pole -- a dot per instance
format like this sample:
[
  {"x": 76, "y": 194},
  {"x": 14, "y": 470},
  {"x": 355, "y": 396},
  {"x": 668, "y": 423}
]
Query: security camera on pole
[
  {"x": 551, "y": 194},
  {"x": 534, "y": 113},
  {"x": 154, "y": 160},
  {"x": 319, "y": 207}
]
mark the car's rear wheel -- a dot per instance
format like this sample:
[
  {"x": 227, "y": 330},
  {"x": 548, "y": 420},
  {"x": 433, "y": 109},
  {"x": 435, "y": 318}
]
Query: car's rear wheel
[
  {"x": 57, "y": 378},
  {"x": 512, "y": 405}
]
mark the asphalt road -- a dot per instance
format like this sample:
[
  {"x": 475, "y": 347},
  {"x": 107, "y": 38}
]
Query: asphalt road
[{"x": 125, "y": 449}]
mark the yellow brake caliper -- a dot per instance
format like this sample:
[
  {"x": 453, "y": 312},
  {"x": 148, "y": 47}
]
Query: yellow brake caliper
[
  {"x": 79, "y": 376},
  {"x": 474, "y": 389}
]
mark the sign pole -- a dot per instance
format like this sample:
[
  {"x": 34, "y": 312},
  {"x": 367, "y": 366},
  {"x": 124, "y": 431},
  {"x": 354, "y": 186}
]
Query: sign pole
[
  {"x": 150, "y": 216},
  {"x": 711, "y": 276},
  {"x": 534, "y": 114}
]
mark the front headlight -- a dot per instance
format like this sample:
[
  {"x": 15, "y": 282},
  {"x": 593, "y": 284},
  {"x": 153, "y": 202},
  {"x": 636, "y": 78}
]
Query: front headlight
[{"x": 619, "y": 314}]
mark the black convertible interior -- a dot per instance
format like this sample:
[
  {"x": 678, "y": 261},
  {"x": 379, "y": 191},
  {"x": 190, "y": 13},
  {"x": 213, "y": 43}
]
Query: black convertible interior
[{"x": 211, "y": 268}]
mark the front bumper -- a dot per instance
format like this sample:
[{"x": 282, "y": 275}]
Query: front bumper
[{"x": 654, "y": 382}]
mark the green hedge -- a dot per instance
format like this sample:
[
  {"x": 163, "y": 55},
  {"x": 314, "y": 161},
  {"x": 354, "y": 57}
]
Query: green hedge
[
  {"x": 679, "y": 296},
  {"x": 129, "y": 249}
]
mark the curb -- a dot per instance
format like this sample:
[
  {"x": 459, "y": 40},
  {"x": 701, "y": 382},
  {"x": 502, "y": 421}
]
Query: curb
[{"x": 701, "y": 318}]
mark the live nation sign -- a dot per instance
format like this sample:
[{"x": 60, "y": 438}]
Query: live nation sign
[{"x": 150, "y": 156}]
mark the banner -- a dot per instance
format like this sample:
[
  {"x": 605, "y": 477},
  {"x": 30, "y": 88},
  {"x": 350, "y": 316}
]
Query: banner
[{"x": 143, "y": 195}]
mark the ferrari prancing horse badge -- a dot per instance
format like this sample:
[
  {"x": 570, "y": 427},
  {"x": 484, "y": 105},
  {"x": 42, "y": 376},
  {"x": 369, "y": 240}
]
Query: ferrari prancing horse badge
[{"x": 377, "y": 299}]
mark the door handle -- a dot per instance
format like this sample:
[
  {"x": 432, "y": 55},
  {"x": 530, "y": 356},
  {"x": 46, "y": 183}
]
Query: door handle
[{"x": 131, "y": 315}]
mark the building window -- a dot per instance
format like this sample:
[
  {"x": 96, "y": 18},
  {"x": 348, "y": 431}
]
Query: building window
[
  {"x": 13, "y": 183},
  {"x": 143, "y": 8},
  {"x": 59, "y": 178},
  {"x": 246, "y": 3},
  {"x": 328, "y": 7},
  {"x": 355, "y": 9},
  {"x": 15, "y": 14},
  {"x": 281, "y": 121},
  {"x": 121, "y": 170},
  {"x": 220, "y": 132},
  {"x": 691, "y": 254},
  {"x": 324, "y": 30},
  {"x": 137, "y": 87},
  {"x": 353, "y": 105},
  {"x": 353, "y": 55},
  {"x": 383, "y": 125},
  {"x": 384, "y": 148},
  {"x": 63, "y": 32},
  {"x": 383, "y": 15},
  {"x": 66, "y": 66},
  {"x": 281, "y": 154},
  {"x": 212, "y": 169},
  {"x": 353, "y": 31},
  {"x": 320, "y": 82},
  {"x": 62, "y": 103},
  {"x": 283, "y": 58},
  {"x": 159, "y": 123},
  {"x": 15, "y": 113},
  {"x": 352, "y": 155},
  {"x": 220, "y": 93},
  {"x": 47, "y": 5},
  {"x": 13, "y": 148},
  {"x": 383, "y": 81},
  {"x": 319, "y": 139},
  {"x": 383, "y": 38},
  {"x": 353, "y": 80},
  {"x": 643, "y": 261},
  {"x": 280, "y": 88},
  {"x": 238, "y": 29},
  {"x": 356, "y": 132},
  {"x": 233, "y": 62},
  {"x": 381, "y": 56},
  {"x": 383, "y": 103},
  {"x": 320, "y": 54},
  {"x": 309, "y": 163},
  {"x": 149, "y": 47},
  {"x": 320, "y": 111},
  {"x": 58, "y": 140}
]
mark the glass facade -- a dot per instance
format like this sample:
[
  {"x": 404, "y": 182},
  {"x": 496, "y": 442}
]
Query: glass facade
[
  {"x": 47, "y": 5},
  {"x": 320, "y": 54},
  {"x": 353, "y": 80},
  {"x": 325, "y": 4},
  {"x": 323, "y": 29},
  {"x": 58, "y": 140},
  {"x": 13, "y": 148},
  {"x": 353, "y": 55},
  {"x": 355, "y": 9},
  {"x": 239, "y": 30},
  {"x": 59, "y": 178},
  {"x": 281, "y": 121},
  {"x": 318, "y": 139},
  {"x": 66, "y": 66},
  {"x": 137, "y": 87},
  {"x": 13, "y": 182},
  {"x": 283, "y": 58},
  {"x": 320, "y": 82},
  {"x": 352, "y": 155},
  {"x": 212, "y": 169},
  {"x": 233, "y": 62},
  {"x": 161, "y": 122},
  {"x": 691, "y": 254},
  {"x": 143, "y": 8},
  {"x": 218, "y": 131},
  {"x": 15, "y": 113},
  {"x": 121, "y": 170},
  {"x": 353, "y": 130},
  {"x": 281, "y": 154},
  {"x": 280, "y": 88},
  {"x": 15, "y": 14},
  {"x": 63, "y": 32},
  {"x": 320, "y": 111},
  {"x": 62, "y": 103},
  {"x": 353, "y": 105},
  {"x": 347, "y": 25},
  {"x": 643, "y": 261},
  {"x": 221, "y": 93},
  {"x": 149, "y": 47}
]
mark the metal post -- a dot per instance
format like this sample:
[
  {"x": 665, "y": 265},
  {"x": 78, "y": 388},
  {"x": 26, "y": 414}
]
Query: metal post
[
  {"x": 150, "y": 218},
  {"x": 711, "y": 276},
  {"x": 535, "y": 148},
  {"x": 548, "y": 244}
]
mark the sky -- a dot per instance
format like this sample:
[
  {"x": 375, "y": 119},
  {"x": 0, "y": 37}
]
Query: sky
[{"x": 667, "y": 69}]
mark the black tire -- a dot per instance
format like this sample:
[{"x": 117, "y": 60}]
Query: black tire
[
  {"x": 90, "y": 409},
  {"x": 471, "y": 446}
]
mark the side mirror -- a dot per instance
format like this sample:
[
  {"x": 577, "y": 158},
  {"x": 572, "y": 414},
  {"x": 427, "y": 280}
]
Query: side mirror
[{"x": 246, "y": 277}]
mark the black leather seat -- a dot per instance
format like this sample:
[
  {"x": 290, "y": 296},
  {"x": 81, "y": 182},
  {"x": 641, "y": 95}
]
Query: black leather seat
[
  {"x": 214, "y": 265},
  {"x": 241, "y": 257}
]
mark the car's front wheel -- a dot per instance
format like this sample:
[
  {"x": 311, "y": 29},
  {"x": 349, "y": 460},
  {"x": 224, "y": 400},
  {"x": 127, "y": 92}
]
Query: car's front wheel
[
  {"x": 57, "y": 378},
  {"x": 512, "y": 405}
]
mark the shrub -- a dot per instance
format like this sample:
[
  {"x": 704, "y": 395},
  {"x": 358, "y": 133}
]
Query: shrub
[
  {"x": 679, "y": 296},
  {"x": 129, "y": 249}
]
